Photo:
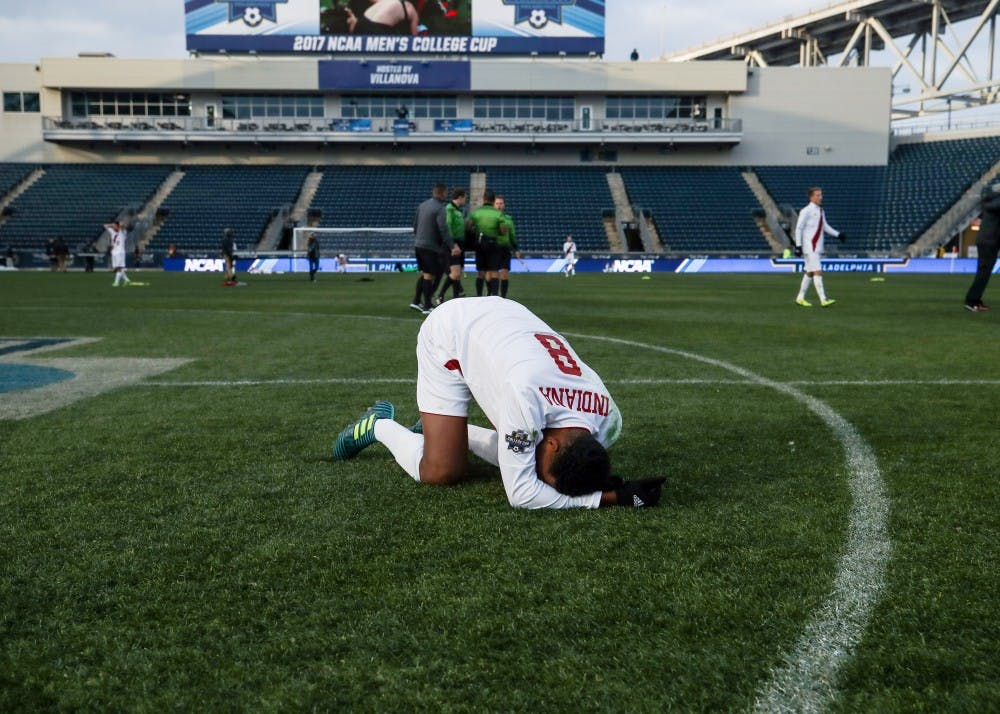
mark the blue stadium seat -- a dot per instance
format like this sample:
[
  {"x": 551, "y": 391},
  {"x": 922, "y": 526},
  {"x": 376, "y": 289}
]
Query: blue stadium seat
[
  {"x": 697, "y": 208},
  {"x": 548, "y": 203},
  {"x": 210, "y": 199},
  {"x": 74, "y": 201}
]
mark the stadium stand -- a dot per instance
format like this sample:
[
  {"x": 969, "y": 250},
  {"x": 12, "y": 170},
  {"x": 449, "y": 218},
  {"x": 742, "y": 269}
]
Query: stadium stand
[
  {"x": 74, "y": 201},
  {"x": 11, "y": 175},
  {"x": 923, "y": 180},
  {"x": 549, "y": 203},
  {"x": 850, "y": 196},
  {"x": 886, "y": 208},
  {"x": 697, "y": 208},
  {"x": 379, "y": 197},
  {"x": 210, "y": 199}
]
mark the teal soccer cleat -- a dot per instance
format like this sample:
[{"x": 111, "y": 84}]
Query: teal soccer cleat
[{"x": 361, "y": 433}]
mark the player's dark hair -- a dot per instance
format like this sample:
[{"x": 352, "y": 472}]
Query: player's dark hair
[
  {"x": 812, "y": 190},
  {"x": 457, "y": 194},
  {"x": 489, "y": 197},
  {"x": 583, "y": 467}
]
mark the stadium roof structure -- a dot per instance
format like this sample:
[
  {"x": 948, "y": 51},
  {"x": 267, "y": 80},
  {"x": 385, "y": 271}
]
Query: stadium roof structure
[{"x": 919, "y": 34}]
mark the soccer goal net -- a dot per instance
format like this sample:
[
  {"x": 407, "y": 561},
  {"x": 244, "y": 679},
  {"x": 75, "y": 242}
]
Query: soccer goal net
[{"x": 361, "y": 242}]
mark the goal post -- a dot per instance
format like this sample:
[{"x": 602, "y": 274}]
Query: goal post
[{"x": 359, "y": 242}]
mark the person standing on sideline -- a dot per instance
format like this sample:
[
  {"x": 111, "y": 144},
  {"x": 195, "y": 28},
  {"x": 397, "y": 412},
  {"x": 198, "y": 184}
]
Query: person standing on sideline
[
  {"x": 508, "y": 245},
  {"x": 809, "y": 232},
  {"x": 342, "y": 263},
  {"x": 553, "y": 419},
  {"x": 432, "y": 244},
  {"x": 312, "y": 253},
  {"x": 228, "y": 248},
  {"x": 456, "y": 262},
  {"x": 487, "y": 227},
  {"x": 569, "y": 257},
  {"x": 118, "y": 238},
  {"x": 987, "y": 245}
]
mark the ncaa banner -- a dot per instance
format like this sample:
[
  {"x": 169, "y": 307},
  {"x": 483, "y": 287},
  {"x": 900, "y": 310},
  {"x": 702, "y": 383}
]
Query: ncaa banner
[
  {"x": 474, "y": 27},
  {"x": 411, "y": 76}
]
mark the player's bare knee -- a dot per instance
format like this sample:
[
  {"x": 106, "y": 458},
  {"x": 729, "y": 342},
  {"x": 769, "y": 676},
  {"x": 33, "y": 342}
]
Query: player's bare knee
[{"x": 440, "y": 474}]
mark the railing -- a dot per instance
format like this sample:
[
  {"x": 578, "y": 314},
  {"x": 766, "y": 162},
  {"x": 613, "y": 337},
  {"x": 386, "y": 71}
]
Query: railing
[{"x": 306, "y": 126}]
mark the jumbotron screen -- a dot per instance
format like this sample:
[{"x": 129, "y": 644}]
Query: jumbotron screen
[{"x": 414, "y": 27}]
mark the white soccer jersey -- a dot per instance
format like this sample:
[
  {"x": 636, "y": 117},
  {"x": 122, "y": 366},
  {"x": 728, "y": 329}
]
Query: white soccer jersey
[
  {"x": 118, "y": 247},
  {"x": 524, "y": 376},
  {"x": 811, "y": 227},
  {"x": 569, "y": 250}
]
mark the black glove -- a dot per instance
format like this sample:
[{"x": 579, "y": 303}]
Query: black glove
[
  {"x": 842, "y": 237},
  {"x": 798, "y": 251},
  {"x": 641, "y": 493}
]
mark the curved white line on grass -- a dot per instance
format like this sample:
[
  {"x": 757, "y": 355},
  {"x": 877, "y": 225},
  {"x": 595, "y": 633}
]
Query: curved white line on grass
[
  {"x": 638, "y": 381},
  {"x": 806, "y": 680}
]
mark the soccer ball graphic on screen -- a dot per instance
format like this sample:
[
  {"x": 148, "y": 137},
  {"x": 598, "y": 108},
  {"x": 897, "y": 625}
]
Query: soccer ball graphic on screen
[
  {"x": 538, "y": 19},
  {"x": 252, "y": 17}
]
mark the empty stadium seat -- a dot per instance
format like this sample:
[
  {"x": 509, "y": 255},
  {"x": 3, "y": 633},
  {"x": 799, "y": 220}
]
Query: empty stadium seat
[
  {"x": 550, "y": 202},
  {"x": 74, "y": 201},
  {"x": 210, "y": 199},
  {"x": 697, "y": 208}
]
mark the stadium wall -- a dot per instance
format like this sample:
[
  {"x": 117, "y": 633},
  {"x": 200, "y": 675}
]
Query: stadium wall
[
  {"x": 789, "y": 116},
  {"x": 815, "y": 116}
]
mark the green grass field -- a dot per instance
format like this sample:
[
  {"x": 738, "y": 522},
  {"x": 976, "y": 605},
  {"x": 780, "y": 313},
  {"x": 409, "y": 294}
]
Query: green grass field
[{"x": 827, "y": 538}]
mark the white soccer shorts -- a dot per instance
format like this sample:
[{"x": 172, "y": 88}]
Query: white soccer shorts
[{"x": 441, "y": 388}]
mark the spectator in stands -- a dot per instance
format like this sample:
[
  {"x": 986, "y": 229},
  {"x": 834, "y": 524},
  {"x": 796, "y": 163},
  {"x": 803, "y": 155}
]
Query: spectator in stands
[
  {"x": 456, "y": 229},
  {"x": 987, "y": 246},
  {"x": 809, "y": 232},
  {"x": 386, "y": 17},
  {"x": 119, "y": 236},
  {"x": 487, "y": 225},
  {"x": 312, "y": 252},
  {"x": 569, "y": 256},
  {"x": 551, "y": 451},
  {"x": 172, "y": 251},
  {"x": 228, "y": 248},
  {"x": 432, "y": 244},
  {"x": 508, "y": 245}
]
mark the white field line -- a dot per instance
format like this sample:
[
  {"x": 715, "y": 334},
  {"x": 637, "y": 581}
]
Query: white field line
[
  {"x": 625, "y": 382},
  {"x": 806, "y": 680}
]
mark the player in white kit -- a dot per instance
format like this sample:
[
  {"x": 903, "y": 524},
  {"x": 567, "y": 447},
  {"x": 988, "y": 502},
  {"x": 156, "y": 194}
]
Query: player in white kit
[
  {"x": 810, "y": 229},
  {"x": 569, "y": 257},
  {"x": 552, "y": 414},
  {"x": 118, "y": 238}
]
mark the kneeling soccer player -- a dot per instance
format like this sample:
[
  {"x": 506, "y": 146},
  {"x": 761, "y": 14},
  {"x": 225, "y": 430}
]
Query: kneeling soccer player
[{"x": 554, "y": 417}]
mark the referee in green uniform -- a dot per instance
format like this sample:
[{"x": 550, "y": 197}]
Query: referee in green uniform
[
  {"x": 456, "y": 262},
  {"x": 487, "y": 225},
  {"x": 508, "y": 245}
]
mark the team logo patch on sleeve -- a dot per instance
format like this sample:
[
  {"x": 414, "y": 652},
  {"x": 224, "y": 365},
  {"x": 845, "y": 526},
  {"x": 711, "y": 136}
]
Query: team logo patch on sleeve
[{"x": 519, "y": 441}]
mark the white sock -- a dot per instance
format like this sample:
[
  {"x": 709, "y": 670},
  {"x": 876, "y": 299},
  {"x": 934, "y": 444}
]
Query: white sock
[
  {"x": 818, "y": 282},
  {"x": 804, "y": 286},
  {"x": 484, "y": 444},
  {"x": 405, "y": 446},
  {"x": 124, "y": 277},
  {"x": 118, "y": 278}
]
